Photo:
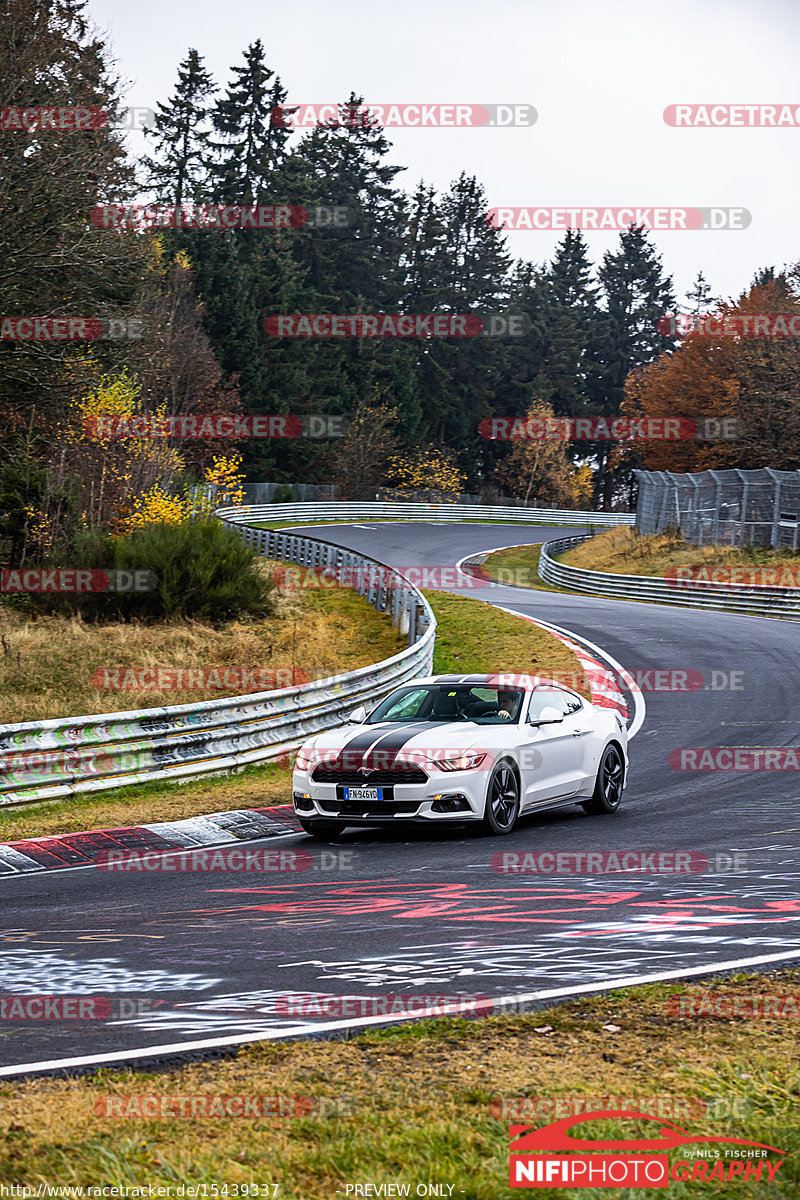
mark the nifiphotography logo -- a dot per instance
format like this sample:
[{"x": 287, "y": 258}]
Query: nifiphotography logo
[{"x": 641, "y": 1162}]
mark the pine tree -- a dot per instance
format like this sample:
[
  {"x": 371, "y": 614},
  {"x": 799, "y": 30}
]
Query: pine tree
[
  {"x": 699, "y": 299},
  {"x": 181, "y": 137},
  {"x": 636, "y": 295},
  {"x": 570, "y": 324},
  {"x": 346, "y": 269},
  {"x": 249, "y": 148},
  {"x": 461, "y": 265}
]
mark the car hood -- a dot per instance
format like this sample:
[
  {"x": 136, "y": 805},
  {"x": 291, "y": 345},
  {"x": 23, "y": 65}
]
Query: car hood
[{"x": 389, "y": 742}]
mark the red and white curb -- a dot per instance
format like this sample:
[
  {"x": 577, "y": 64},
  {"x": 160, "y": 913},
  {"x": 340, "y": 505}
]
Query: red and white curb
[
  {"x": 603, "y": 687},
  {"x": 603, "y": 673},
  {"x": 93, "y": 846}
]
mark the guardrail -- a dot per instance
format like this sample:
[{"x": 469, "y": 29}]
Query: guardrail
[
  {"x": 45, "y": 760},
  {"x": 760, "y": 602},
  {"x": 345, "y": 510}
]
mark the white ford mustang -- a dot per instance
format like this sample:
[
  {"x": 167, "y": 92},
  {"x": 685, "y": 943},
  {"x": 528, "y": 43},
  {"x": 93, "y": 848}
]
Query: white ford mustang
[{"x": 462, "y": 748}]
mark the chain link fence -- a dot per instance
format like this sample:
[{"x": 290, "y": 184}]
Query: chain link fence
[{"x": 736, "y": 508}]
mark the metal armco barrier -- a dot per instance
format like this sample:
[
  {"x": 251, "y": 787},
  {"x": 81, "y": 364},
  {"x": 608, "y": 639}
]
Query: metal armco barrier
[
  {"x": 345, "y": 510},
  {"x": 45, "y": 760},
  {"x": 755, "y": 601}
]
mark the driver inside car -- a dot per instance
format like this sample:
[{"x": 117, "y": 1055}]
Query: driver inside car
[{"x": 506, "y": 705}]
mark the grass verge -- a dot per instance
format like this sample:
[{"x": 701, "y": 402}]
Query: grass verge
[
  {"x": 623, "y": 551},
  {"x": 471, "y": 637},
  {"x": 474, "y": 637},
  {"x": 144, "y": 803},
  {"x": 423, "y": 1103},
  {"x": 52, "y": 666},
  {"x": 518, "y": 566}
]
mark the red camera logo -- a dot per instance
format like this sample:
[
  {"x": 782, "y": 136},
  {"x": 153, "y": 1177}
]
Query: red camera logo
[{"x": 594, "y": 1163}]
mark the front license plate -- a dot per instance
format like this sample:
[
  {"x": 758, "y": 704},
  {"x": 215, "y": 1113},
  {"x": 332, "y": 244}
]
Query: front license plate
[{"x": 359, "y": 794}]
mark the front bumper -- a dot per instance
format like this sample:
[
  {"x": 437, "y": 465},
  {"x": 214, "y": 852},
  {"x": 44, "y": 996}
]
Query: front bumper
[{"x": 445, "y": 796}]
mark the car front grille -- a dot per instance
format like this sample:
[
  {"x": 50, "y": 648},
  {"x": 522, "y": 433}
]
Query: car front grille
[
  {"x": 372, "y": 808},
  {"x": 352, "y": 778}
]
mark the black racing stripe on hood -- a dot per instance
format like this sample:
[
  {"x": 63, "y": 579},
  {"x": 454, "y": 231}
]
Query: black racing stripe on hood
[
  {"x": 382, "y": 756},
  {"x": 354, "y": 753}
]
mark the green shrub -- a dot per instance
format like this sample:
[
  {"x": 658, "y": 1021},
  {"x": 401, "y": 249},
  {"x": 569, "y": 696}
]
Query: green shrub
[{"x": 203, "y": 569}]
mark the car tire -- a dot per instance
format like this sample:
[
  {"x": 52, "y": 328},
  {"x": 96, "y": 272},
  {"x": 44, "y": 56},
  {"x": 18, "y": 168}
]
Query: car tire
[
  {"x": 502, "y": 800},
  {"x": 323, "y": 831},
  {"x": 608, "y": 785}
]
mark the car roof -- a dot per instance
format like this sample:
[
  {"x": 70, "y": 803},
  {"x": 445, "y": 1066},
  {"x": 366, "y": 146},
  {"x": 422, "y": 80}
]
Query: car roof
[{"x": 504, "y": 679}]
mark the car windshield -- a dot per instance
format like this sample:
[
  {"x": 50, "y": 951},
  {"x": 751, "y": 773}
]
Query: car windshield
[{"x": 450, "y": 702}]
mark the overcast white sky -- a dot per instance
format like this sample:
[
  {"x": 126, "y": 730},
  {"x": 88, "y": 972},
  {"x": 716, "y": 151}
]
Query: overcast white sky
[{"x": 599, "y": 72}]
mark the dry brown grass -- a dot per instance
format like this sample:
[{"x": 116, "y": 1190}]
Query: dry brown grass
[
  {"x": 46, "y": 662},
  {"x": 623, "y": 551}
]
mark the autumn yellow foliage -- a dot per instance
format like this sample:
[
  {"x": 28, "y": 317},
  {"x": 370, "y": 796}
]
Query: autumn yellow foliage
[{"x": 427, "y": 469}]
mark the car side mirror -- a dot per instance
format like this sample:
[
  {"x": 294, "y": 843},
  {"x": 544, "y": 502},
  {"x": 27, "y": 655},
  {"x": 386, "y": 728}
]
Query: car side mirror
[
  {"x": 358, "y": 715},
  {"x": 549, "y": 716}
]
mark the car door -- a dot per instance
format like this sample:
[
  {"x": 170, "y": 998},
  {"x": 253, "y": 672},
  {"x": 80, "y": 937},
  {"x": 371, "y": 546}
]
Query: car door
[{"x": 553, "y": 756}]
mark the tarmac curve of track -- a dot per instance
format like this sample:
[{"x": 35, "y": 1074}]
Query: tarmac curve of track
[{"x": 209, "y": 960}]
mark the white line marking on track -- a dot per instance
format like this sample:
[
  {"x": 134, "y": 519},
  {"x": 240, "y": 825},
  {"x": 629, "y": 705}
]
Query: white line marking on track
[{"x": 608, "y": 985}]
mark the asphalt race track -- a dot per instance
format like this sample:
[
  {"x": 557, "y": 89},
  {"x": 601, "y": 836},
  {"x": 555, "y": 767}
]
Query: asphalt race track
[{"x": 203, "y": 957}]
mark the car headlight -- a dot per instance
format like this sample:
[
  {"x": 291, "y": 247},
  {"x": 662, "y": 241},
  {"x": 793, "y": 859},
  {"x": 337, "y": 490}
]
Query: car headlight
[
  {"x": 463, "y": 762},
  {"x": 306, "y": 757}
]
